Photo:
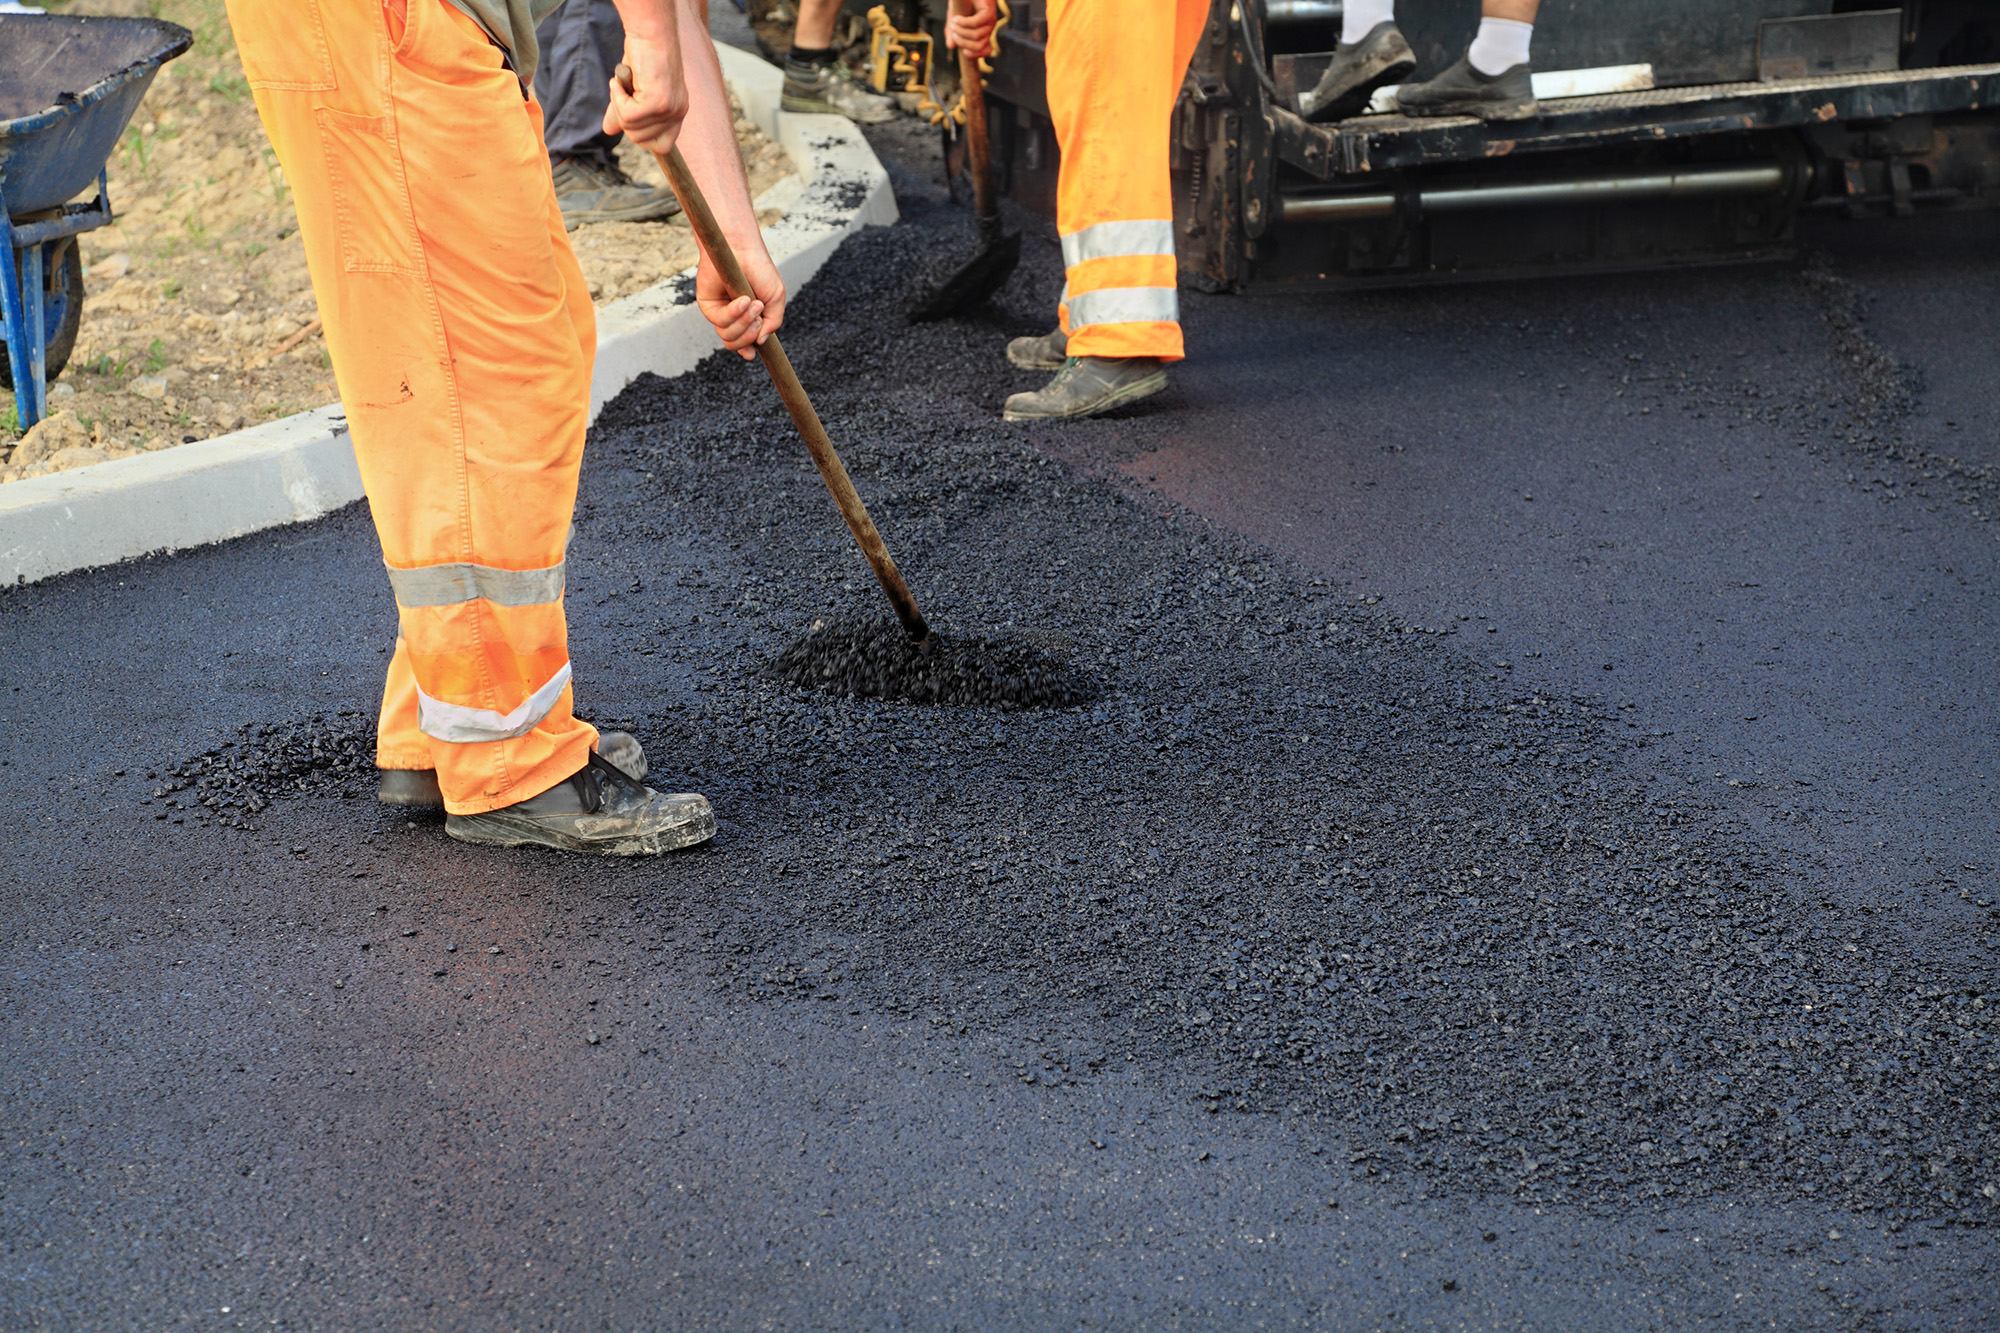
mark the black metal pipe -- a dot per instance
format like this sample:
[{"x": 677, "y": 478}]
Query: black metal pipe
[{"x": 1698, "y": 182}]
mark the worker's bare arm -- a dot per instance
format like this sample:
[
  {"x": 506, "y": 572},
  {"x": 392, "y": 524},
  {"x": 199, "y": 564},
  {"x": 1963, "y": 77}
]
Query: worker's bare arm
[{"x": 708, "y": 142}]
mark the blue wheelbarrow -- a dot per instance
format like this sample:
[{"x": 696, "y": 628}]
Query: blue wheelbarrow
[{"x": 68, "y": 87}]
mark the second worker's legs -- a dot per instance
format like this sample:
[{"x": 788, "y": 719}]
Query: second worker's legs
[
  {"x": 581, "y": 44},
  {"x": 1114, "y": 71}
]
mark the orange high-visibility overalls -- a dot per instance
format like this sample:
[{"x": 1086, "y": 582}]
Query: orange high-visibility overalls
[
  {"x": 1114, "y": 70},
  {"x": 462, "y": 334}
]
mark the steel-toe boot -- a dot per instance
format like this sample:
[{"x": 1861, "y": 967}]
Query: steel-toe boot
[
  {"x": 1358, "y": 69},
  {"x": 825, "y": 90},
  {"x": 1043, "y": 353},
  {"x": 1088, "y": 385},
  {"x": 1464, "y": 91},
  {"x": 592, "y": 191},
  {"x": 419, "y": 786},
  {"x": 599, "y": 811}
]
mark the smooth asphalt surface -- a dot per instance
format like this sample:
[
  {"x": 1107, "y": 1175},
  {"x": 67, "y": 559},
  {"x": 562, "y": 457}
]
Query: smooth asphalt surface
[{"x": 1527, "y": 860}]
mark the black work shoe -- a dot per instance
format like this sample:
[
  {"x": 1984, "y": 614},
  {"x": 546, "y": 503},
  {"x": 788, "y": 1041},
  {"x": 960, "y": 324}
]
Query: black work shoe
[
  {"x": 1043, "y": 353},
  {"x": 599, "y": 811},
  {"x": 822, "y": 90},
  {"x": 1087, "y": 386},
  {"x": 588, "y": 191},
  {"x": 419, "y": 786},
  {"x": 1358, "y": 69},
  {"x": 1464, "y": 91}
]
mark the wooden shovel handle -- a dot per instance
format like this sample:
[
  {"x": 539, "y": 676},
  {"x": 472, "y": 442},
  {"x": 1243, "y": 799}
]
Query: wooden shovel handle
[
  {"x": 772, "y": 352},
  {"x": 976, "y": 143}
]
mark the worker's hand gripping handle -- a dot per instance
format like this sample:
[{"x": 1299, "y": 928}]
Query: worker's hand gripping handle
[
  {"x": 772, "y": 352},
  {"x": 976, "y": 143}
]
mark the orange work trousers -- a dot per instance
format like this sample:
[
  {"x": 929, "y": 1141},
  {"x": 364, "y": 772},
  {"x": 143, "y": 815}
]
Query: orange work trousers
[
  {"x": 1114, "y": 70},
  {"x": 461, "y": 333}
]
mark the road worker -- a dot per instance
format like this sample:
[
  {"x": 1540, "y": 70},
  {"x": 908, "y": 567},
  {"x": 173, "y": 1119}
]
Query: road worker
[
  {"x": 1114, "y": 70},
  {"x": 1492, "y": 80},
  {"x": 461, "y": 333}
]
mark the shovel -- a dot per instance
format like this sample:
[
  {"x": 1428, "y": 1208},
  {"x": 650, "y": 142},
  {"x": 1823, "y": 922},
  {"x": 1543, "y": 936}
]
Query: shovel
[
  {"x": 772, "y": 353},
  {"x": 958, "y": 281}
]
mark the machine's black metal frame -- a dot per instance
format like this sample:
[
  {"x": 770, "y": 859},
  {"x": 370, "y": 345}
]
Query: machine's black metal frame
[{"x": 1712, "y": 169}]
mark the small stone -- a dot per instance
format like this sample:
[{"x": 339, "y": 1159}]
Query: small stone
[
  {"x": 592, "y": 1038},
  {"x": 1489, "y": 1236},
  {"x": 148, "y": 386},
  {"x": 412, "y": 930},
  {"x": 493, "y": 948},
  {"x": 1450, "y": 1284},
  {"x": 77, "y": 455},
  {"x": 451, "y": 948},
  {"x": 61, "y": 389}
]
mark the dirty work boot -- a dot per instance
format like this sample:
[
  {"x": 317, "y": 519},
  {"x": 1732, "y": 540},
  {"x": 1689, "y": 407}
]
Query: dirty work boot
[
  {"x": 1464, "y": 91},
  {"x": 1043, "y": 353},
  {"x": 822, "y": 89},
  {"x": 1087, "y": 386},
  {"x": 588, "y": 191},
  {"x": 419, "y": 786},
  {"x": 1357, "y": 70},
  {"x": 600, "y": 811}
]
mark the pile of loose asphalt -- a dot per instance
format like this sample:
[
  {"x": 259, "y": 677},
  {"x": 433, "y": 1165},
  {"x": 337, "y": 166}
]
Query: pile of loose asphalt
[{"x": 1249, "y": 825}]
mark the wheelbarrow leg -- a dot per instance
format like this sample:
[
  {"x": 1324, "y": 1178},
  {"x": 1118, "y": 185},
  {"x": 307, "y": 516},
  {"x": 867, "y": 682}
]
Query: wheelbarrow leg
[
  {"x": 37, "y": 396},
  {"x": 24, "y": 342}
]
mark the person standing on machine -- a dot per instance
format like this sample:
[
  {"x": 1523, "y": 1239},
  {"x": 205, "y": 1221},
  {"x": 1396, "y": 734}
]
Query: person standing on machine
[
  {"x": 1114, "y": 71},
  {"x": 1492, "y": 80},
  {"x": 462, "y": 335}
]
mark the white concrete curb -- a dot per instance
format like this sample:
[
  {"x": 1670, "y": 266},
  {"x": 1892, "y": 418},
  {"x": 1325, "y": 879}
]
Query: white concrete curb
[{"x": 302, "y": 467}]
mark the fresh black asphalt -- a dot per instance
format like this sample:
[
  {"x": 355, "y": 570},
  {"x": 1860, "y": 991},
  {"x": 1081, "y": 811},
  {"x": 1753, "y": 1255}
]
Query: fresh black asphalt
[{"x": 1525, "y": 857}]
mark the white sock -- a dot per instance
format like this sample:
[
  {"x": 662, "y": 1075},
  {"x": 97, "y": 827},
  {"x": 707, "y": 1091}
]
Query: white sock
[
  {"x": 1359, "y": 17},
  {"x": 1500, "y": 45}
]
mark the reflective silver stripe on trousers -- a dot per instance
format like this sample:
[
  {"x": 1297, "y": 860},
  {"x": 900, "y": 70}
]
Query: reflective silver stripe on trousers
[
  {"x": 1108, "y": 240},
  {"x": 448, "y": 585},
  {"x": 469, "y": 726},
  {"x": 1124, "y": 305}
]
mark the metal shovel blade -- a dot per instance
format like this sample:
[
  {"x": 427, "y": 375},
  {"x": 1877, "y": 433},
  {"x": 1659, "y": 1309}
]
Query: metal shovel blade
[{"x": 958, "y": 280}]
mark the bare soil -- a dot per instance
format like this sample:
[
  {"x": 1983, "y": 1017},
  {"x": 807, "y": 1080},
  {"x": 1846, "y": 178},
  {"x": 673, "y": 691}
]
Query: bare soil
[{"x": 199, "y": 317}]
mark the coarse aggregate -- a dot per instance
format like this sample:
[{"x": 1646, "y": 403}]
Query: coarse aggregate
[
  {"x": 876, "y": 659},
  {"x": 1329, "y": 859}
]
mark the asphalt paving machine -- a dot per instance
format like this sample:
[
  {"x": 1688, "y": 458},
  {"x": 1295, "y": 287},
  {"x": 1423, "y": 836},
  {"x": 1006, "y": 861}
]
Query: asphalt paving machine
[{"x": 1688, "y": 132}]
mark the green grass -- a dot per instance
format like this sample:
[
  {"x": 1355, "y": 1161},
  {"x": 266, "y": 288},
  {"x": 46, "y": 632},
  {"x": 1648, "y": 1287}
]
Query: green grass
[
  {"x": 156, "y": 357},
  {"x": 231, "y": 87}
]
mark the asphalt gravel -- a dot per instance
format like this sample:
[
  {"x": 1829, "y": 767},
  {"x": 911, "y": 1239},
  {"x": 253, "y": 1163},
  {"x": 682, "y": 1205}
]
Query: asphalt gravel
[
  {"x": 1324, "y": 852},
  {"x": 876, "y": 659},
  {"x": 1316, "y": 957}
]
